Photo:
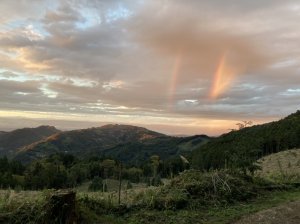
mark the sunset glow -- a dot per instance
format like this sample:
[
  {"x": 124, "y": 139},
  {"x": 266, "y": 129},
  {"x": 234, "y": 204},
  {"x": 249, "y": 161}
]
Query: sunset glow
[
  {"x": 223, "y": 78},
  {"x": 177, "y": 67}
]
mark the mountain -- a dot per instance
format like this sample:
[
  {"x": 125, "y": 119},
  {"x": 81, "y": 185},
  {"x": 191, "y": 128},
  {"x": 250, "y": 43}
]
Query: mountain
[
  {"x": 127, "y": 143},
  {"x": 240, "y": 147},
  {"x": 166, "y": 147},
  {"x": 10, "y": 142}
]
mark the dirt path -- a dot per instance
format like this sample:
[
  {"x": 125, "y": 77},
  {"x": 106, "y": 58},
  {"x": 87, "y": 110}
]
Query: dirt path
[{"x": 284, "y": 214}]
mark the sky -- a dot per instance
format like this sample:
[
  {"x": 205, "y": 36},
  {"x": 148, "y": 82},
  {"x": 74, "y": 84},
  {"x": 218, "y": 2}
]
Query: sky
[{"x": 177, "y": 67}]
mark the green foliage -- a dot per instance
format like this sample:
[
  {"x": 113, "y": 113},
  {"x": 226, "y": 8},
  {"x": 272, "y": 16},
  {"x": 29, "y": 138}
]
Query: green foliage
[
  {"x": 98, "y": 205},
  {"x": 10, "y": 172},
  {"x": 216, "y": 187},
  {"x": 96, "y": 185},
  {"x": 166, "y": 147},
  {"x": 194, "y": 189},
  {"x": 129, "y": 185},
  {"x": 214, "y": 214},
  {"x": 165, "y": 199},
  {"x": 239, "y": 149},
  {"x": 133, "y": 174},
  {"x": 155, "y": 181}
]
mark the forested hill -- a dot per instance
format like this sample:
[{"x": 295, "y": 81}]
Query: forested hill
[
  {"x": 126, "y": 143},
  {"x": 242, "y": 147},
  {"x": 10, "y": 142}
]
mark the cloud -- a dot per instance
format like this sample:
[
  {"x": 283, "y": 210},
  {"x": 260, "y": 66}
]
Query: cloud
[
  {"x": 194, "y": 37},
  {"x": 153, "y": 59}
]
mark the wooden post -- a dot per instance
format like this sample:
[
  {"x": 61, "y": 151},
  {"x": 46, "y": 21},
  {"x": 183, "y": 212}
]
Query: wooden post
[
  {"x": 120, "y": 182},
  {"x": 61, "y": 207}
]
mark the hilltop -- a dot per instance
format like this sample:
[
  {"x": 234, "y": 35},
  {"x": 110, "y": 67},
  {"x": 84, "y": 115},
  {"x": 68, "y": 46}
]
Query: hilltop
[
  {"x": 127, "y": 143},
  {"x": 11, "y": 142}
]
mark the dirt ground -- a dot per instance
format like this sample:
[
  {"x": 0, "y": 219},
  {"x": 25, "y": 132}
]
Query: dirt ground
[{"x": 284, "y": 214}]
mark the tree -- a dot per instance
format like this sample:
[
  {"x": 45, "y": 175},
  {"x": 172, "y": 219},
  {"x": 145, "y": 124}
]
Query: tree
[
  {"x": 244, "y": 124},
  {"x": 108, "y": 166},
  {"x": 155, "y": 161},
  {"x": 120, "y": 181}
]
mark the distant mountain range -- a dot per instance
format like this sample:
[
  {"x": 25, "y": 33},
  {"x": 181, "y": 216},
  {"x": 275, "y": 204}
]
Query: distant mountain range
[
  {"x": 126, "y": 143},
  {"x": 135, "y": 145}
]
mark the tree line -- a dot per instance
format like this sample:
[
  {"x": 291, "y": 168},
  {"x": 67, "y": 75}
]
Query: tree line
[{"x": 67, "y": 171}]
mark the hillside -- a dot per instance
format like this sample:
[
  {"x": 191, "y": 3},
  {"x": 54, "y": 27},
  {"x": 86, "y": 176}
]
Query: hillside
[
  {"x": 242, "y": 147},
  {"x": 166, "y": 147},
  {"x": 281, "y": 166},
  {"x": 127, "y": 143},
  {"x": 10, "y": 142}
]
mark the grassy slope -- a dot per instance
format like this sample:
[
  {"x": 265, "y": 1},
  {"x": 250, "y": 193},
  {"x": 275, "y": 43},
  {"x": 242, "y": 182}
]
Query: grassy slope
[
  {"x": 281, "y": 166},
  {"x": 212, "y": 215}
]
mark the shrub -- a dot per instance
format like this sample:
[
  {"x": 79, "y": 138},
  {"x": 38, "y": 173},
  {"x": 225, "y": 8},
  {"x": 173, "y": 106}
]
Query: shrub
[
  {"x": 96, "y": 185},
  {"x": 195, "y": 189},
  {"x": 217, "y": 187}
]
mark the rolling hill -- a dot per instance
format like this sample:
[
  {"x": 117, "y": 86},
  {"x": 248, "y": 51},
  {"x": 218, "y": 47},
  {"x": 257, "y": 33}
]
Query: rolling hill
[
  {"x": 245, "y": 146},
  {"x": 10, "y": 142},
  {"x": 166, "y": 147},
  {"x": 124, "y": 142}
]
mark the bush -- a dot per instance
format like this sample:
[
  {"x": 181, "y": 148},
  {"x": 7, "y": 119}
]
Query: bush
[
  {"x": 96, "y": 185},
  {"x": 217, "y": 187},
  {"x": 129, "y": 185},
  {"x": 195, "y": 189},
  {"x": 160, "y": 198}
]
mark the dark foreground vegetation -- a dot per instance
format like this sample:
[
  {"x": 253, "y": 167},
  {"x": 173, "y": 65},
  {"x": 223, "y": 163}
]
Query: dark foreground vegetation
[
  {"x": 243, "y": 147},
  {"x": 67, "y": 171},
  {"x": 192, "y": 197}
]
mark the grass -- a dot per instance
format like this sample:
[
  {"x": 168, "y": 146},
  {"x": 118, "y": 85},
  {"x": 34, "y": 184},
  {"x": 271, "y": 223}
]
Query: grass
[
  {"x": 22, "y": 207},
  {"x": 194, "y": 197},
  {"x": 214, "y": 215},
  {"x": 281, "y": 167},
  {"x": 184, "y": 200},
  {"x": 112, "y": 185},
  {"x": 15, "y": 203}
]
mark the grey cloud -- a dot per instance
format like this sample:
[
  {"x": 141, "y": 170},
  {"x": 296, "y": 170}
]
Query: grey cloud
[
  {"x": 141, "y": 50},
  {"x": 191, "y": 35},
  {"x": 26, "y": 87},
  {"x": 63, "y": 14}
]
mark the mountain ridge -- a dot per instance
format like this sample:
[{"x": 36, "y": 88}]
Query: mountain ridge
[
  {"x": 113, "y": 140},
  {"x": 10, "y": 142}
]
